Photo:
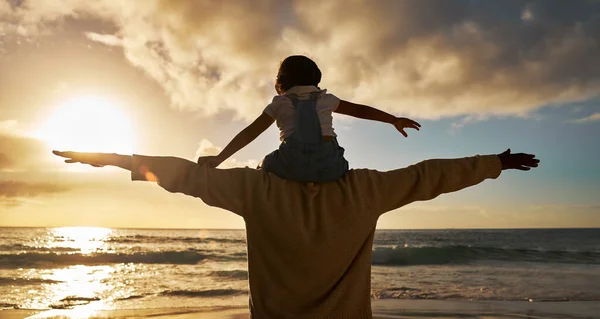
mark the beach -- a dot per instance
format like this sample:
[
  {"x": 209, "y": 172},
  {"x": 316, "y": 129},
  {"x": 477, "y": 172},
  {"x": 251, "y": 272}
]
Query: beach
[
  {"x": 439, "y": 309},
  {"x": 151, "y": 273}
]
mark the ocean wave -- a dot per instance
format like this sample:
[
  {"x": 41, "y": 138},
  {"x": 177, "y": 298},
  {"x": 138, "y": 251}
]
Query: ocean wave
[
  {"x": 5, "y": 305},
  {"x": 230, "y": 274},
  {"x": 404, "y": 256},
  {"x": 24, "y": 281},
  {"x": 204, "y": 293},
  {"x": 163, "y": 239},
  {"x": 398, "y": 256},
  {"x": 131, "y": 297},
  {"x": 230, "y": 257},
  {"x": 77, "y": 298},
  {"x": 25, "y": 260},
  {"x": 413, "y": 293},
  {"x": 73, "y": 301},
  {"x": 21, "y": 247}
]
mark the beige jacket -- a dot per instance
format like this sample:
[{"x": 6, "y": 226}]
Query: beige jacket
[{"x": 309, "y": 245}]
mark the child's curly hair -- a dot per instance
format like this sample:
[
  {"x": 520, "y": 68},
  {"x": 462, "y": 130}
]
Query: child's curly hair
[{"x": 297, "y": 70}]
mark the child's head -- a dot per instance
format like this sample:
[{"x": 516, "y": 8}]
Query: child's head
[{"x": 297, "y": 70}]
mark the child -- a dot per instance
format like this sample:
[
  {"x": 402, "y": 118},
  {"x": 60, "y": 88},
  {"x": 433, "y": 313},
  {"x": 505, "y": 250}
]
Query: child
[{"x": 309, "y": 151}]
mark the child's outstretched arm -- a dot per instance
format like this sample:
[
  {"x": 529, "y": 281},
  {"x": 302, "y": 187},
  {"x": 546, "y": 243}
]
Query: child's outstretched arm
[
  {"x": 371, "y": 113},
  {"x": 243, "y": 138}
]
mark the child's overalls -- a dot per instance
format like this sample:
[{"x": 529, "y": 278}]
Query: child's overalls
[{"x": 305, "y": 156}]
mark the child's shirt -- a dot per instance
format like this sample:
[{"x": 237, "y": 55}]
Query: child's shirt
[{"x": 282, "y": 110}]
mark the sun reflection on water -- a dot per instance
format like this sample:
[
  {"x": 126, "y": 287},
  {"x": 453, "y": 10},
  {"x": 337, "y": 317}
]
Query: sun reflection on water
[
  {"x": 76, "y": 291},
  {"x": 86, "y": 239}
]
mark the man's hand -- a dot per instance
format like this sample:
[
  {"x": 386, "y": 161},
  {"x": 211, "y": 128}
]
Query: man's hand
[
  {"x": 96, "y": 159},
  {"x": 520, "y": 161},
  {"x": 210, "y": 161},
  {"x": 401, "y": 123}
]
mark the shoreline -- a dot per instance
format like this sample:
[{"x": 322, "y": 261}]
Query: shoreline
[{"x": 382, "y": 309}]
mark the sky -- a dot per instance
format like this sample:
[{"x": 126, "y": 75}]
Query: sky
[{"x": 182, "y": 77}]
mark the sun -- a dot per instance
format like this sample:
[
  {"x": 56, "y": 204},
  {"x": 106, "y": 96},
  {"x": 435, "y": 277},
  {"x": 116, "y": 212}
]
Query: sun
[{"x": 88, "y": 124}]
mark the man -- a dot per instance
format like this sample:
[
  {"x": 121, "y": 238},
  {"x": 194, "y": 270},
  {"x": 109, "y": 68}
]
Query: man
[{"x": 309, "y": 244}]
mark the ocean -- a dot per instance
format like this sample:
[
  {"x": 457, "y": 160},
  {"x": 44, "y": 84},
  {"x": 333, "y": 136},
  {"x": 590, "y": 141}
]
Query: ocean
[{"x": 102, "y": 268}]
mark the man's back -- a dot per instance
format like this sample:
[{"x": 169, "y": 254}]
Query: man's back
[
  {"x": 309, "y": 251},
  {"x": 309, "y": 245}
]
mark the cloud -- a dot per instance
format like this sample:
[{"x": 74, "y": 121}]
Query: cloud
[
  {"x": 107, "y": 39},
  {"x": 207, "y": 148},
  {"x": 14, "y": 189},
  {"x": 461, "y": 123},
  {"x": 592, "y": 118},
  {"x": 5, "y": 162},
  {"x": 18, "y": 151},
  {"x": 564, "y": 207},
  {"x": 14, "y": 193},
  {"x": 426, "y": 59}
]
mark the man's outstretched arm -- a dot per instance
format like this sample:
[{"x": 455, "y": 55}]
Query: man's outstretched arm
[
  {"x": 230, "y": 189},
  {"x": 431, "y": 178}
]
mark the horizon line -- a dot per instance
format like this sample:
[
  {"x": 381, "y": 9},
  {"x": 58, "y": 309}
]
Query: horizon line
[{"x": 377, "y": 229}]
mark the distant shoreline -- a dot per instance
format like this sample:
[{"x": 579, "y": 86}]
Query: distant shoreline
[{"x": 241, "y": 229}]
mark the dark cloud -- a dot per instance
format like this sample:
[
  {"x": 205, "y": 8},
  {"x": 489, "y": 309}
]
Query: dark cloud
[
  {"x": 19, "y": 152},
  {"x": 5, "y": 162},
  {"x": 15, "y": 189},
  {"x": 427, "y": 58},
  {"x": 458, "y": 57},
  {"x": 14, "y": 193}
]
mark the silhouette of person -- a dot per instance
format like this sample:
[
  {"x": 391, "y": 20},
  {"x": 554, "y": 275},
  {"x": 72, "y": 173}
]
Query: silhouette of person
[{"x": 310, "y": 244}]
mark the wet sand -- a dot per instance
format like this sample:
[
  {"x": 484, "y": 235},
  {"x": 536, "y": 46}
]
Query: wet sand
[{"x": 382, "y": 309}]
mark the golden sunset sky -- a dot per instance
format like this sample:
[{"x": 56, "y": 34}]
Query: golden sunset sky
[{"x": 182, "y": 77}]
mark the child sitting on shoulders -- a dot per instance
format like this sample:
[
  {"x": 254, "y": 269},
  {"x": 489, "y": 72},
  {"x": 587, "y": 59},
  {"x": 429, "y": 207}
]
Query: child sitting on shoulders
[{"x": 309, "y": 151}]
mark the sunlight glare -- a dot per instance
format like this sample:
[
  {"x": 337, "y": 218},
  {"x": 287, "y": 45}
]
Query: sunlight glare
[
  {"x": 88, "y": 124},
  {"x": 79, "y": 291},
  {"x": 86, "y": 239},
  {"x": 76, "y": 291}
]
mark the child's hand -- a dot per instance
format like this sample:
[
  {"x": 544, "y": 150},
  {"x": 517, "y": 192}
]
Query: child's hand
[
  {"x": 211, "y": 161},
  {"x": 401, "y": 123}
]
